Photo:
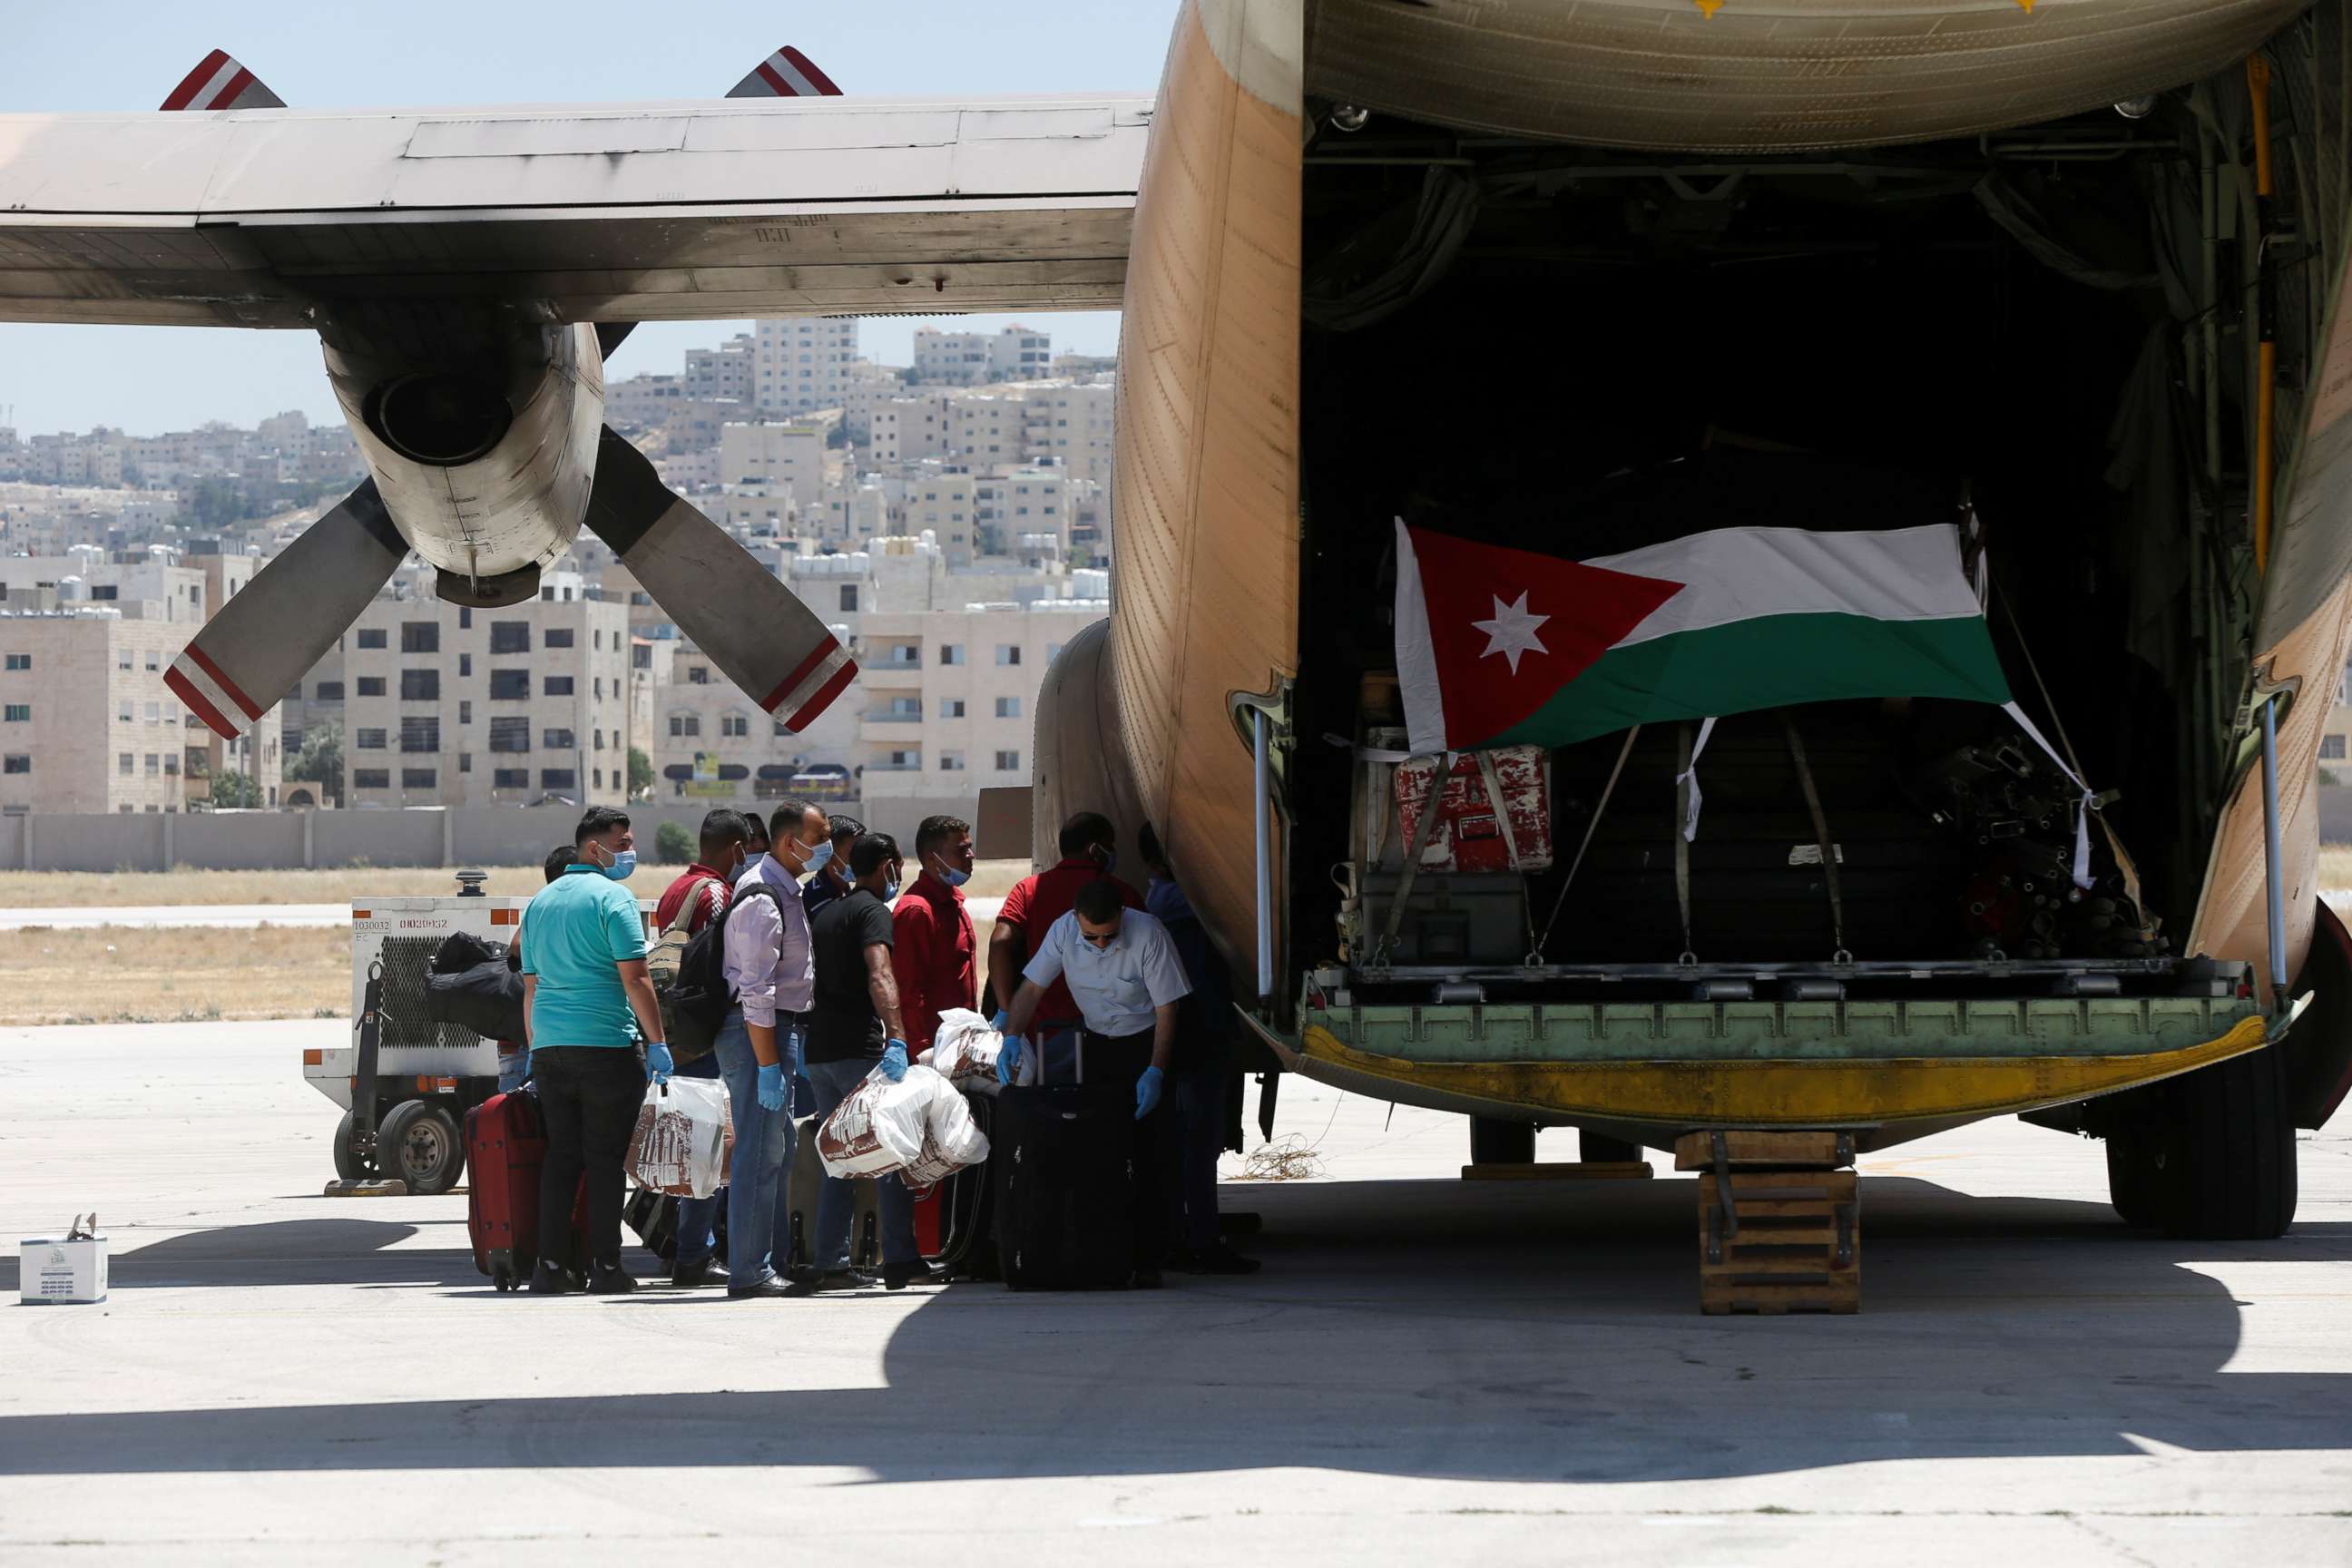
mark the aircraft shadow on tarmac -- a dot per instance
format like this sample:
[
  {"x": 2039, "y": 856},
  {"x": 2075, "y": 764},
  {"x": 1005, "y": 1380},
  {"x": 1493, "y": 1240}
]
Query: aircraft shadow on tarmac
[{"x": 1538, "y": 1334}]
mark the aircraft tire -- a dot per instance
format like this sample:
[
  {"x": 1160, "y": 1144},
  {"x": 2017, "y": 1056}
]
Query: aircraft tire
[
  {"x": 2131, "y": 1181},
  {"x": 1496, "y": 1141},
  {"x": 2223, "y": 1150}
]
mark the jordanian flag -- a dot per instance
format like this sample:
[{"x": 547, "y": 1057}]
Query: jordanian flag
[{"x": 1498, "y": 647}]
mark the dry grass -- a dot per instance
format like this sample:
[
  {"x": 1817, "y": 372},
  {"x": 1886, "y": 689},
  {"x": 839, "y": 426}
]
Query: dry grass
[
  {"x": 92, "y": 890},
  {"x": 118, "y": 974},
  {"x": 2335, "y": 866}
]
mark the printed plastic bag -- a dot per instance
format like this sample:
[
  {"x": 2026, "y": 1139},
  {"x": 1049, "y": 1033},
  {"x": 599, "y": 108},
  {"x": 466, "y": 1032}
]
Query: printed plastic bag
[
  {"x": 683, "y": 1131},
  {"x": 964, "y": 1050},
  {"x": 919, "y": 1125}
]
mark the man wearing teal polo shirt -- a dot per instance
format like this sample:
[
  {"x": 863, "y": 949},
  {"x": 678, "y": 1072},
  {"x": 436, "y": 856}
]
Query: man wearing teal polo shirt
[{"x": 587, "y": 1001}]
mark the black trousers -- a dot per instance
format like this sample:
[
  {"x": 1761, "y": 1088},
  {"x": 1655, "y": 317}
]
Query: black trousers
[
  {"x": 588, "y": 1097},
  {"x": 1158, "y": 1157}
]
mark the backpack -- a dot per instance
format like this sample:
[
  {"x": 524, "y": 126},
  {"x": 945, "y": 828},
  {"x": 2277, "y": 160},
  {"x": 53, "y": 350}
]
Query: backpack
[
  {"x": 666, "y": 953},
  {"x": 694, "y": 1003}
]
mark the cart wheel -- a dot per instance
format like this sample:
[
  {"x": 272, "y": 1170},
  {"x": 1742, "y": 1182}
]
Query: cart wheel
[
  {"x": 502, "y": 1276},
  {"x": 419, "y": 1144},
  {"x": 350, "y": 1164}
]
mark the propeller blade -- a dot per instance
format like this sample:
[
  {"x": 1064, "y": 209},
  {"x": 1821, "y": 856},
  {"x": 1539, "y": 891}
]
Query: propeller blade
[
  {"x": 256, "y": 646},
  {"x": 754, "y": 628},
  {"x": 787, "y": 73},
  {"x": 220, "y": 82}
]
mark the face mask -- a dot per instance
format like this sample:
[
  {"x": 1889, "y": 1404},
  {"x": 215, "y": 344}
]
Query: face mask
[
  {"x": 623, "y": 864},
  {"x": 1106, "y": 859},
  {"x": 890, "y": 889},
  {"x": 951, "y": 877},
  {"x": 820, "y": 857}
]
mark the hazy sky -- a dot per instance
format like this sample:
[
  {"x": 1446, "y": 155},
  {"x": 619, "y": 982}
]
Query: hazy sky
[{"x": 127, "y": 56}]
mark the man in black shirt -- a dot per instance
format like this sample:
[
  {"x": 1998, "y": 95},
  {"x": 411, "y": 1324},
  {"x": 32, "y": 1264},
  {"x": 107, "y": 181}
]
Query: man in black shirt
[{"x": 854, "y": 1029}]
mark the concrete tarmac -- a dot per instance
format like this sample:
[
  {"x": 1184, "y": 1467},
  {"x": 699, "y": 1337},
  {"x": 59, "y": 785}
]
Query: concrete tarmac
[{"x": 1428, "y": 1371}]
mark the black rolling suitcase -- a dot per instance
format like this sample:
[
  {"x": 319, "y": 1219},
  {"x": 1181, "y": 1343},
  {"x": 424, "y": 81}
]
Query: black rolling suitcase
[{"x": 1063, "y": 1162}]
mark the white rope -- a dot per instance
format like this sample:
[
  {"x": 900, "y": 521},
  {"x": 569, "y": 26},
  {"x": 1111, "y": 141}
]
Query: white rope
[
  {"x": 1689, "y": 776},
  {"x": 2081, "y": 871}
]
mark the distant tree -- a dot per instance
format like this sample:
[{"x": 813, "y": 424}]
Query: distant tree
[
  {"x": 674, "y": 845},
  {"x": 215, "y": 503},
  {"x": 320, "y": 762},
  {"x": 641, "y": 776},
  {"x": 235, "y": 789},
  {"x": 1082, "y": 556},
  {"x": 2327, "y": 779}
]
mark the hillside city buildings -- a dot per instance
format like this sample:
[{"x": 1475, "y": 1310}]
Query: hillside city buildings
[{"x": 949, "y": 520}]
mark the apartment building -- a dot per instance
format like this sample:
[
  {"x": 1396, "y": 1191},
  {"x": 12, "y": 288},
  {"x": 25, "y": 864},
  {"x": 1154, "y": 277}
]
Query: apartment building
[
  {"x": 444, "y": 705},
  {"x": 802, "y": 363},
  {"x": 727, "y": 371},
  {"x": 1068, "y": 424},
  {"x": 176, "y": 592},
  {"x": 712, "y": 744},
  {"x": 787, "y": 459},
  {"x": 88, "y": 725},
  {"x": 909, "y": 427},
  {"x": 975, "y": 359}
]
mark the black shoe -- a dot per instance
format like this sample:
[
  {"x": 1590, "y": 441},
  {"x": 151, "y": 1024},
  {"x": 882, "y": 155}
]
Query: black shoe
[
  {"x": 686, "y": 1276},
  {"x": 550, "y": 1281},
  {"x": 770, "y": 1287},
  {"x": 1222, "y": 1259},
  {"x": 613, "y": 1281},
  {"x": 807, "y": 1282},
  {"x": 1146, "y": 1279},
  {"x": 898, "y": 1276}
]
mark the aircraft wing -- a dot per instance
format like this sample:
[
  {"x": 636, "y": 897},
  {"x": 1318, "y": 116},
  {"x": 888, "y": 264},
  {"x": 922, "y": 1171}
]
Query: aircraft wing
[{"x": 771, "y": 206}]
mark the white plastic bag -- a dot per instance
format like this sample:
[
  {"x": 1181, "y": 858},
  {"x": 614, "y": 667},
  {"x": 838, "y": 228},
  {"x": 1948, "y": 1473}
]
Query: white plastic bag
[
  {"x": 684, "y": 1131},
  {"x": 964, "y": 1050},
  {"x": 919, "y": 1125}
]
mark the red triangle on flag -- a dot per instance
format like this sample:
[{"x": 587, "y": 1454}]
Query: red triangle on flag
[{"x": 1509, "y": 628}]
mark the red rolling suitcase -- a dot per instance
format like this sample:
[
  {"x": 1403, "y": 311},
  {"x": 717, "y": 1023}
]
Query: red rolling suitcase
[{"x": 505, "y": 1146}]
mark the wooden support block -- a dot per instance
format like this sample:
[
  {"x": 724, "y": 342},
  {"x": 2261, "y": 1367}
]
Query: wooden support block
[
  {"x": 1562, "y": 1171},
  {"x": 1747, "y": 1147},
  {"x": 1790, "y": 1242}
]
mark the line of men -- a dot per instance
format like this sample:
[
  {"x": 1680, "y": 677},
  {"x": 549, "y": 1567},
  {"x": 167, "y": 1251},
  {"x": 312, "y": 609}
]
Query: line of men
[{"x": 836, "y": 974}]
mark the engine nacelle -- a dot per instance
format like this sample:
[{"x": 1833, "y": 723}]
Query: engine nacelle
[{"x": 484, "y": 460}]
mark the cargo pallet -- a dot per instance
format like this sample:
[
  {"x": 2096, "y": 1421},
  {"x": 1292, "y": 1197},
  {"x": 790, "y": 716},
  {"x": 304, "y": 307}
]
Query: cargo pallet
[{"x": 1780, "y": 1221}]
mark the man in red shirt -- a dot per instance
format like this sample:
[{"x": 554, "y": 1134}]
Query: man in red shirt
[
  {"x": 701, "y": 895},
  {"x": 1089, "y": 849},
  {"x": 932, "y": 950}
]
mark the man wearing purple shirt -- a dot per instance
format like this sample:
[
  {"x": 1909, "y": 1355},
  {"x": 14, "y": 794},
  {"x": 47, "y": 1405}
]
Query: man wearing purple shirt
[{"x": 766, "y": 939}]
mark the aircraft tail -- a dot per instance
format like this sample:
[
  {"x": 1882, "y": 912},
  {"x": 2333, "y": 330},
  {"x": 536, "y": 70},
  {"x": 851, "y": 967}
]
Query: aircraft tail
[{"x": 220, "y": 82}]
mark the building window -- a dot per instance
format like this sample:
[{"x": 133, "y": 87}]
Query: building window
[
  {"x": 558, "y": 739},
  {"x": 20, "y": 661},
  {"x": 154, "y": 764},
  {"x": 781, "y": 727},
  {"x": 1008, "y": 762},
  {"x": 372, "y": 637},
  {"x": 465, "y": 762},
  {"x": 849, "y": 595},
  {"x": 123, "y": 714},
  {"x": 420, "y": 686},
  {"x": 556, "y": 636},
  {"x": 465, "y": 710},
  {"x": 327, "y": 691},
  {"x": 420, "y": 637},
  {"x": 1008, "y": 708},
  {"x": 1008, "y": 653},
  {"x": 371, "y": 778},
  {"x": 950, "y": 762},
  {"x": 697, "y": 675},
  {"x": 418, "y": 778},
  {"x": 510, "y": 778},
  {"x": 509, "y": 637},
  {"x": 597, "y": 736},
  {"x": 367, "y": 740},
  {"x": 600, "y": 689},
  {"x": 556, "y": 686},
  {"x": 596, "y": 777},
  {"x": 420, "y": 734},
  {"x": 464, "y": 617},
  {"x": 684, "y": 725},
  {"x": 17, "y": 765},
  {"x": 510, "y": 734},
  {"x": 510, "y": 686},
  {"x": 951, "y": 653},
  {"x": 951, "y": 708},
  {"x": 734, "y": 725},
  {"x": 171, "y": 764},
  {"x": 465, "y": 666},
  {"x": 558, "y": 778},
  {"x": 154, "y": 713},
  {"x": 22, "y": 713},
  {"x": 371, "y": 685},
  {"x": 122, "y": 764},
  {"x": 2331, "y": 748}
]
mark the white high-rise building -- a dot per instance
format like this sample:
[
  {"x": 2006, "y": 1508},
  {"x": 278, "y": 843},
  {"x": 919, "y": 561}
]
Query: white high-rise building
[{"x": 802, "y": 363}]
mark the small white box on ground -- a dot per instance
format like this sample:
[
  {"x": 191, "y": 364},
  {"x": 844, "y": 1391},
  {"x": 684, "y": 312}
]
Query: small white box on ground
[{"x": 63, "y": 1272}]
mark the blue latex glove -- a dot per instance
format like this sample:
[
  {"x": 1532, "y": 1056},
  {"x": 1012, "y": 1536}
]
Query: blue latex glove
[
  {"x": 1147, "y": 1092},
  {"x": 1008, "y": 1061},
  {"x": 1002, "y": 1018},
  {"x": 658, "y": 1064},
  {"x": 894, "y": 1060},
  {"x": 773, "y": 1091}
]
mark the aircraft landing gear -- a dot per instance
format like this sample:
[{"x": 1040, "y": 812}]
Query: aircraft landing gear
[{"x": 2210, "y": 1155}]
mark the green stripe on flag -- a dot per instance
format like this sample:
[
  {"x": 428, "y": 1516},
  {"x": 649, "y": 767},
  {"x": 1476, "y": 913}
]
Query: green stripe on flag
[{"x": 1766, "y": 662}]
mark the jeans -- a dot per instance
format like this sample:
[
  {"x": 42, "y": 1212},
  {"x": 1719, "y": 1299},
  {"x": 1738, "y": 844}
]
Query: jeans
[
  {"x": 588, "y": 1097},
  {"x": 1158, "y": 1161},
  {"x": 830, "y": 1247},
  {"x": 759, "y": 1207},
  {"x": 1199, "y": 1103},
  {"x": 695, "y": 1216}
]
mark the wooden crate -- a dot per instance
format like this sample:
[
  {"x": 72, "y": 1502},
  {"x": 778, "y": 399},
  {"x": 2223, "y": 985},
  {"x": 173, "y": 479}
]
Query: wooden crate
[
  {"x": 1747, "y": 1147},
  {"x": 1796, "y": 1246}
]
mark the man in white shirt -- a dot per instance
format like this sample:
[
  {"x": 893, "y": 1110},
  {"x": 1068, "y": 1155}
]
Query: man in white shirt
[
  {"x": 1127, "y": 977},
  {"x": 768, "y": 961}
]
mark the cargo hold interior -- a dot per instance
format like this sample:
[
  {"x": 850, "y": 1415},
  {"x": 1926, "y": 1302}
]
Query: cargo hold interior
[{"x": 1580, "y": 352}]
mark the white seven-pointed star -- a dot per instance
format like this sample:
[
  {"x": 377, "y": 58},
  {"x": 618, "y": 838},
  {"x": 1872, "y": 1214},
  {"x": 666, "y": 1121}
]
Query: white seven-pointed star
[{"x": 1512, "y": 632}]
